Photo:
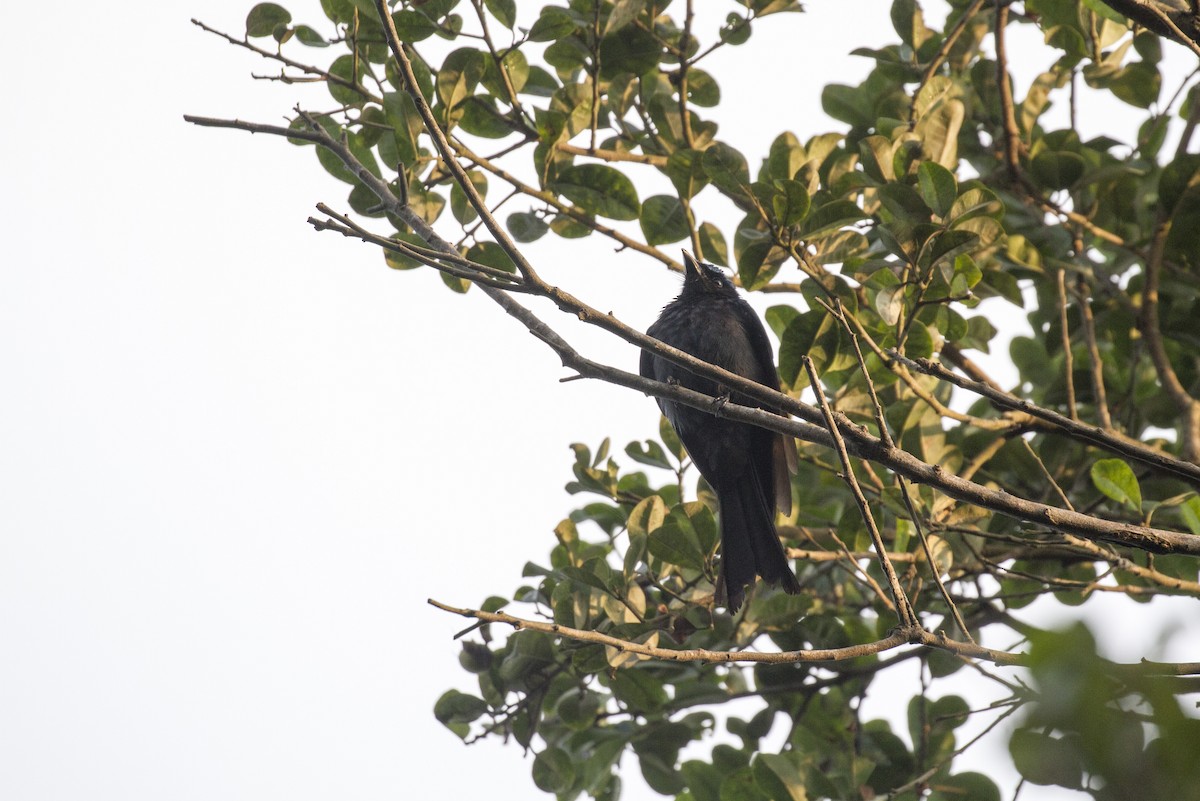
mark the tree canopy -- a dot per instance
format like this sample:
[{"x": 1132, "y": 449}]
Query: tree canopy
[{"x": 933, "y": 504}]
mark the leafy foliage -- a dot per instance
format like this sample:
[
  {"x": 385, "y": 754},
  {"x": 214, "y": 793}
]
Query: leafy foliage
[{"x": 942, "y": 187}]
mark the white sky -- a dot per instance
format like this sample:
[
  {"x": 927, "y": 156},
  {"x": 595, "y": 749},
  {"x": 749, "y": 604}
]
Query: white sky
[{"x": 236, "y": 456}]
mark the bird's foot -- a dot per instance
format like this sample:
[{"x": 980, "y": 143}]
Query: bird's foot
[{"x": 718, "y": 403}]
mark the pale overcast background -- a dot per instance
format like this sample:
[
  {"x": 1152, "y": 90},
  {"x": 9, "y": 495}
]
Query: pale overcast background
[{"x": 236, "y": 455}]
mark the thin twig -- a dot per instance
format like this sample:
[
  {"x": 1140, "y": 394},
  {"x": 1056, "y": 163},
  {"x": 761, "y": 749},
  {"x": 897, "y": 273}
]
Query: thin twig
[
  {"x": 886, "y": 435},
  {"x": 940, "y": 56},
  {"x": 1109, "y": 440},
  {"x": 1068, "y": 357},
  {"x": 904, "y": 610},
  {"x": 1189, "y": 408},
  {"x": 1095, "y": 362}
]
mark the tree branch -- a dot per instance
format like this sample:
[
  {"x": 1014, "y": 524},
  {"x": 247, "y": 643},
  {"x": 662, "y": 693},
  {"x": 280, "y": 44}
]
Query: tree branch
[{"x": 1109, "y": 440}]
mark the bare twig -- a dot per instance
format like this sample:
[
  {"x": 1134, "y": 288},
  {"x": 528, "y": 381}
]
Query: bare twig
[
  {"x": 1095, "y": 362},
  {"x": 886, "y": 435},
  {"x": 913, "y": 636},
  {"x": 1151, "y": 329},
  {"x": 903, "y": 608},
  {"x": 1008, "y": 117},
  {"x": 939, "y": 57},
  {"x": 1109, "y": 440},
  {"x": 1068, "y": 357}
]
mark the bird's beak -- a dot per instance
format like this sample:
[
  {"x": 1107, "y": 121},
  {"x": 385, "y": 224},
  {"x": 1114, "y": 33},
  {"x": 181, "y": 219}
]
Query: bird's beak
[{"x": 690, "y": 267}]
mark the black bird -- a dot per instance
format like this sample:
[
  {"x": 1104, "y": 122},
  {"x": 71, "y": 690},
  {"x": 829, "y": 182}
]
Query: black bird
[{"x": 747, "y": 466}]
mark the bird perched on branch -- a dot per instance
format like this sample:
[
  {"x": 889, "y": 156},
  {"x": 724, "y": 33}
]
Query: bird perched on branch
[{"x": 747, "y": 466}]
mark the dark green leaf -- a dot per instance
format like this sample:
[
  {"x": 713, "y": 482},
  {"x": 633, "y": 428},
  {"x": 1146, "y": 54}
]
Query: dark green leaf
[
  {"x": 460, "y": 206},
  {"x": 491, "y": 254},
  {"x": 1057, "y": 169},
  {"x": 599, "y": 189},
  {"x": 736, "y": 30},
  {"x": 726, "y": 168},
  {"x": 553, "y": 771},
  {"x": 623, "y": 13},
  {"x": 938, "y": 187},
  {"x": 633, "y": 50},
  {"x": 676, "y": 546},
  {"x": 505, "y": 11},
  {"x": 263, "y": 18},
  {"x": 552, "y": 24},
  {"x": 310, "y": 37},
  {"x": 413, "y": 26},
  {"x": 664, "y": 220},
  {"x": 964, "y": 787},
  {"x": 526, "y": 226},
  {"x": 847, "y": 104},
  {"x": 703, "y": 91},
  {"x": 831, "y": 218},
  {"x": 791, "y": 207},
  {"x": 458, "y": 707},
  {"x": 459, "y": 75},
  {"x": 685, "y": 168},
  {"x": 712, "y": 245},
  {"x": 1043, "y": 759}
]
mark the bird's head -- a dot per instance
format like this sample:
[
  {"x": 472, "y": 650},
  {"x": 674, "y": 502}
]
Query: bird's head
[{"x": 700, "y": 277}]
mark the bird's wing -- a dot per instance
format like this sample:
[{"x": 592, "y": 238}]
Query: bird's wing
[
  {"x": 783, "y": 450},
  {"x": 756, "y": 334}
]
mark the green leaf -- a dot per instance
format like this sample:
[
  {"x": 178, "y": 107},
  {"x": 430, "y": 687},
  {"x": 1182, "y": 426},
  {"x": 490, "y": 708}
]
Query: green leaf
[
  {"x": 664, "y": 220},
  {"x": 726, "y": 167},
  {"x": 492, "y": 255},
  {"x": 648, "y": 516},
  {"x": 634, "y": 50},
  {"x": 1043, "y": 759},
  {"x": 963, "y": 787},
  {"x": 1057, "y": 169},
  {"x": 780, "y": 776},
  {"x": 480, "y": 117},
  {"x": 623, "y": 13},
  {"x": 458, "y": 707},
  {"x": 736, "y": 30},
  {"x": 831, "y": 218},
  {"x": 847, "y": 104},
  {"x": 505, "y": 11},
  {"x": 310, "y": 37},
  {"x": 755, "y": 269},
  {"x": 676, "y": 546},
  {"x": 398, "y": 261},
  {"x": 1190, "y": 510},
  {"x": 1115, "y": 479},
  {"x": 459, "y": 75},
  {"x": 909, "y": 23},
  {"x": 939, "y": 189},
  {"x": 553, "y": 771},
  {"x": 525, "y": 226},
  {"x": 712, "y": 245},
  {"x": 413, "y": 26},
  {"x": 552, "y": 24},
  {"x": 460, "y": 206},
  {"x": 876, "y": 156},
  {"x": 263, "y": 18},
  {"x": 791, "y": 207},
  {"x": 1139, "y": 84},
  {"x": 598, "y": 189},
  {"x": 703, "y": 91},
  {"x": 350, "y": 71}
]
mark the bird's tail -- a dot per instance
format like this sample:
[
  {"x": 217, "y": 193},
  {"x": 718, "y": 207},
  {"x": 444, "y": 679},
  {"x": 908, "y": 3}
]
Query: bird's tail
[{"x": 750, "y": 545}]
